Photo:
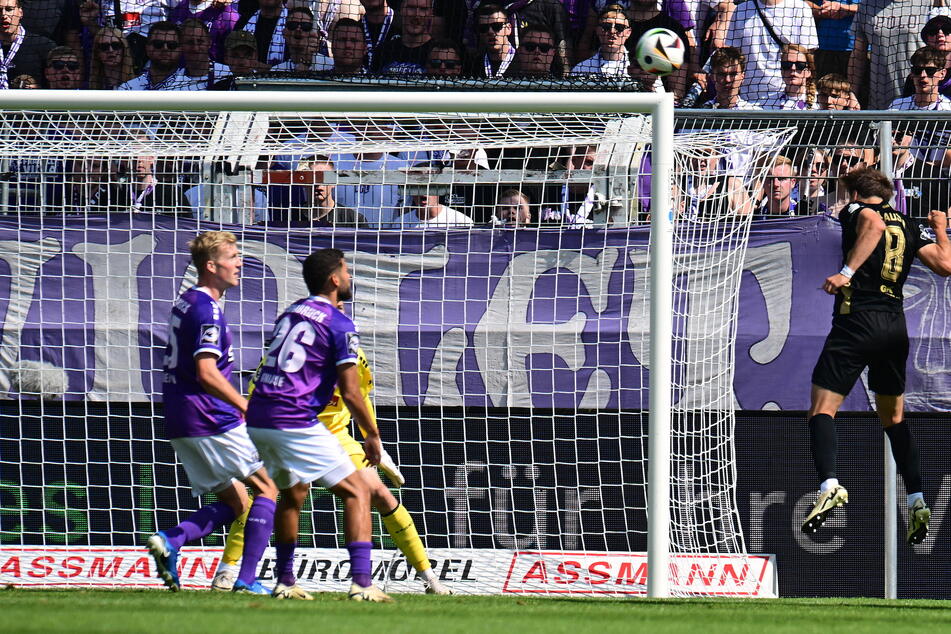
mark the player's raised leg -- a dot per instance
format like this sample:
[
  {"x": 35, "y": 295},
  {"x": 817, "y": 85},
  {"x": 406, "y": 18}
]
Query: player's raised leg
[
  {"x": 905, "y": 451},
  {"x": 824, "y": 444}
]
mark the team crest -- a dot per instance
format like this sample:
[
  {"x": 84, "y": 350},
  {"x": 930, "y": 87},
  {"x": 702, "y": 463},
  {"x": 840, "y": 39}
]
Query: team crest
[{"x": 210, "y": 333}]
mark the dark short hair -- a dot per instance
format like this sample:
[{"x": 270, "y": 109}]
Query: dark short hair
[
  {"x": 614, "y": 8},
  {"x": 319, "y": 266},
  {"x": 867, "y": 182},
  {"x": 928, "y": 56},
  {"x": 353, "y": 24},
  {"x": 193, "y": 22},
  {"x": 490, "y": 8},
  {"x": 165, "y": 27},
  {"x": 536, "y": 28},
  {"x": 301, "y": 9},
  {"x": 447, "y": 45},
  {"x": 727, "y": 56}
]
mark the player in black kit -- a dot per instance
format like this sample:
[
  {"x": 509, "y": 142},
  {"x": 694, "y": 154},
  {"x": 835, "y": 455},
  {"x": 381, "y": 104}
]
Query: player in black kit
[{"x": 868, "y": 329}]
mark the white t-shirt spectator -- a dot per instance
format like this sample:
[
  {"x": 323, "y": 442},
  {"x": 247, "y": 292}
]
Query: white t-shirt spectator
[
  {"x": 447, "y": 218},
  {"x": 792, "y": 22},
  {"x": 598, "y": 66}
]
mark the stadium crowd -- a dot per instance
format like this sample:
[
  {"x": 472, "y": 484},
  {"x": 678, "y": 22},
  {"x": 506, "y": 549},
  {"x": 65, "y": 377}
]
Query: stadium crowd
[
  {"x": 781, "y": 54},
  {"x": 743, "y": 55}
]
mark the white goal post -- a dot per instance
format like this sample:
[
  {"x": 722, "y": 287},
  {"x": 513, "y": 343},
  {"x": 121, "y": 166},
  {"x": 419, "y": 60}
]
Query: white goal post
[{"x": 694, "y": 265}]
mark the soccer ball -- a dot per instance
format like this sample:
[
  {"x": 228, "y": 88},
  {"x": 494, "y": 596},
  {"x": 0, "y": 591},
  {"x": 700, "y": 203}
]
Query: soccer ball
[{"x": 660, "y": 52}]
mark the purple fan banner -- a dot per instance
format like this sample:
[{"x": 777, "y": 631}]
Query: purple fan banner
[{"x": 488, "y": 318}]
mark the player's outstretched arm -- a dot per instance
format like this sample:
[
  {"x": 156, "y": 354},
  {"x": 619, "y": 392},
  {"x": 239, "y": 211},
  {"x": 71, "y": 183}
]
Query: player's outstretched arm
[
  {"x": 937, "y": 256},
  {"x": 213, "y": 381},
  {"x": 348, "y": 381},
  {"x": 869, "y": 229}
]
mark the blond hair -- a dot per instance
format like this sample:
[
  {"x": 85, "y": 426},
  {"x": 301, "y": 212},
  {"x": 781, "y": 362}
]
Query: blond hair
[
  {"x": 204, "y": 248},
  {"x": 96, "y": 72},
  {"x": 811, "y": 61}
]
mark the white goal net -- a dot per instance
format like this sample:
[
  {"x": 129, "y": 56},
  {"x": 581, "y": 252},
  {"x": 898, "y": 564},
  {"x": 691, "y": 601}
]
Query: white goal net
[{"x": 501, "y": 274}]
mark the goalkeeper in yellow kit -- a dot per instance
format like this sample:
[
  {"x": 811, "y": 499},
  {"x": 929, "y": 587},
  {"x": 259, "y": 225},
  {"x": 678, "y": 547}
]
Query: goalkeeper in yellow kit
[{"x": 336, "y": 417}]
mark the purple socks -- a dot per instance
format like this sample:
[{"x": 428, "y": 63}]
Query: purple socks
[
  {"x": 360, "y": 562},
  {"x": 284, "y": 566},
  {"x": 257, "y": 534},
  {"x": 200, "y": 523}
]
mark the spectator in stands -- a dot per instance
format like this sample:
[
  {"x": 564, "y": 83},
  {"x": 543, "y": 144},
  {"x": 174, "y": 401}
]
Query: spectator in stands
[
  {"x": 923, "y": 159},
  {"x": 406, "y": 52},
  {"x": 219, "y": 16},
  {"x": 810, "y": 192},
  {"x": 776, "y": 198},
  {"x": 612, "y": 59},
  {"x": 267, "y": 25},
  {"x": 136, "y": 18},
  {"x": 887, "y": 33},
  {"x": 426, "y": 211},
  {"x": 936, "y": 34},
  {"x": 512, "y": 209},
  {"x": 24, "y": 53},
  {"x": 927, "y": 72},
  {"x": 726, "y": 66},
  {"x": 349, "y": 48},
  {"x": 314, "y": 205},
  {"x": 834, "y": 92},
  {"x": 759, "y": 29},
  {"x": 680, "y": 12},
  {"x": 164, "y": 73},
  {"x": 111, "y": 60},
  {"x": 63, "y": 70},
  {"x": 849, "y": 155},
  {"x": 834, "y": 30},
  {"x": 24, "y": 82},
  {"x": 200, "y": 68},
  {"x": 377, "y": 23},
  {"x": 550, "y": 15},
  {"x": 535, "y": 56},
  {"x": 445, "y": 59},
  {"x": 301, "y": 43},
  {"x": 644, "y": 16},
  {"x": 495, "y": 53},
  {"x": 241, "y": 55},
  {"x": 796, "y": 66}
]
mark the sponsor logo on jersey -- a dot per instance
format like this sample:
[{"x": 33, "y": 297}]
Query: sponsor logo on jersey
[{"x": 210, "y": 333}]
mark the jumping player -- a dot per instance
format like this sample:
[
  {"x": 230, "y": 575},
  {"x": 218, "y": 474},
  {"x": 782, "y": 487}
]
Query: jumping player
[
  {"x": 203, "y": 419},
  {"x": 868, "y": 330}
]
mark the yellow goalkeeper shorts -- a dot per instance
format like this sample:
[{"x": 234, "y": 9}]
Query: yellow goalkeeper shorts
[{"x": 353, "y": 448}]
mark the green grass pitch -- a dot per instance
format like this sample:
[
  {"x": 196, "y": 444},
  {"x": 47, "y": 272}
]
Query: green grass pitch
[{"x": 77, "y": 611}]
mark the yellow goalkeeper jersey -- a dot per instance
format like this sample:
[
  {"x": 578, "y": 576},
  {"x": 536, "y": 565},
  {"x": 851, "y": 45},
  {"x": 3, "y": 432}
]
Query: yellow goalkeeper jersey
[{"x": 335, "y": 416}]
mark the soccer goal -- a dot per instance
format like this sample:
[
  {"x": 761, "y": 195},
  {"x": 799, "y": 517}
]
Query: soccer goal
[{"x": 546, "y": 286}]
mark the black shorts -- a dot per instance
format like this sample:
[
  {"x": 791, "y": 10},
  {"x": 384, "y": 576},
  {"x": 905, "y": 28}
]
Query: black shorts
[{"x": 875, "y": 339}]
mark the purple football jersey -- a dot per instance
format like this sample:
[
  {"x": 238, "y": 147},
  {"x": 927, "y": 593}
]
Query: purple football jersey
[
  {"x": 297, "y": 377},
  {"x": 197, "y": 324}
]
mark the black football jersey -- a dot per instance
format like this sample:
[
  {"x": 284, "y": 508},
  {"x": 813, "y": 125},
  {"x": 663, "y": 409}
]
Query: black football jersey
[{"x": 877, "y": 284}]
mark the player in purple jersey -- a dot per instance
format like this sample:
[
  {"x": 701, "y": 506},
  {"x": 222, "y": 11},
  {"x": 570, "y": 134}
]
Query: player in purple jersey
[
  {"x": 203, "y": 419},
  {"x": 312, "y": 349}
]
